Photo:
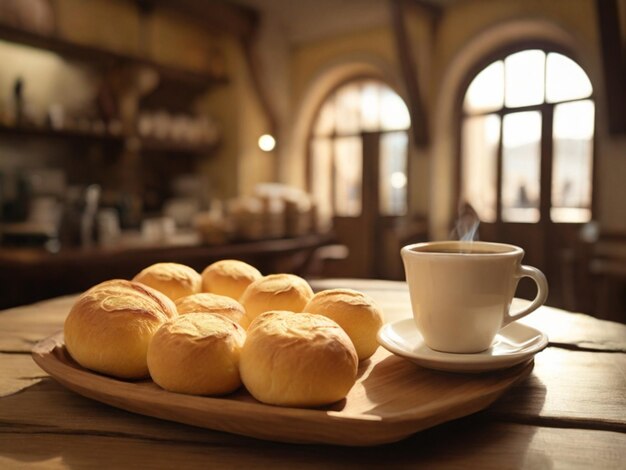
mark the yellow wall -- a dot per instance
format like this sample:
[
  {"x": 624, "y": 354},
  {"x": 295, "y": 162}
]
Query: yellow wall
[
  {"x": 169, "y": 38},
  {"x": 112, "y": 25},
  {"x": 309, "y": 60},
  {"x": 239, "y": 164},
  {"x": 164, "y": 36}
]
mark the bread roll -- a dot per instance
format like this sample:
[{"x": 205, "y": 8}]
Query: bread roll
[
  {"x": 110, "y": 326},
  {"x": 173, "y": 279},
  {"x": 276, "y": 292},
  {"x": 213, "y": 303},
  {"x": 229, "y": 277},
  {"x": 355, "y": 312},
  {"x": 198, "y": 354},
  {"x": 297, "y": 360}
]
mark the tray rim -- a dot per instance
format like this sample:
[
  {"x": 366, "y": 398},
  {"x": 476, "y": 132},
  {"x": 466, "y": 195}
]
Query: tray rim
[{"x": 376, "y": 429}]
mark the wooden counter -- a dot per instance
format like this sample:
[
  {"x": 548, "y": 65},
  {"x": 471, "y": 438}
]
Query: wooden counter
[{"x": 30, "y": 274}]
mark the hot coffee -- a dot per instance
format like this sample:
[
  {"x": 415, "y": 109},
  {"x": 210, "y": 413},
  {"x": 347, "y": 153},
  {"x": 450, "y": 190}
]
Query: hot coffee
[
  {"x": 461, "y": 302},
  {"x": 459, "y": 251}
]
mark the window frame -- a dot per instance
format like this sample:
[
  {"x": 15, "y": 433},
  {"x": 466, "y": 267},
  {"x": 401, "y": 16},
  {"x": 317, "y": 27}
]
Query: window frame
[
  {"x": 546, "y": 144},
  {"x": 311, "y": 135}
]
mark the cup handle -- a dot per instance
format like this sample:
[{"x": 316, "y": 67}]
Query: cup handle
[{"x": 540, "y": 298}]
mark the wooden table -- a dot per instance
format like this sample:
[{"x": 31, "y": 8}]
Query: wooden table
[{"x": 569, "y": 413}]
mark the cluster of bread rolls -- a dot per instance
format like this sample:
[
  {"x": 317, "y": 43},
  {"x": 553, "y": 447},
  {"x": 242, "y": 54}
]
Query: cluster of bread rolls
[{"x": 209, "y": 333}]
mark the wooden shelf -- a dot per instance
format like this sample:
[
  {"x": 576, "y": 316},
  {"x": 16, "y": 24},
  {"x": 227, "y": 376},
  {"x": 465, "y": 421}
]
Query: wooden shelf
[
  {"x": 149, "y": 145},
  {"x": 87, "y": 53},
  {"x": 178, "y": 85},
  {"x": 67, "y": 134},
  {"x": 154, "y": 145}
]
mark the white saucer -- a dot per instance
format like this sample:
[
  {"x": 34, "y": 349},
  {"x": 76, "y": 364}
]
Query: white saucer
[{"x": 514, "y": 344}]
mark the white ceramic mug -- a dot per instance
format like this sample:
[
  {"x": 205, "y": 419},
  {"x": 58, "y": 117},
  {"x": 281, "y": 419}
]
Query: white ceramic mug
[{"x": 461, "y": 292}]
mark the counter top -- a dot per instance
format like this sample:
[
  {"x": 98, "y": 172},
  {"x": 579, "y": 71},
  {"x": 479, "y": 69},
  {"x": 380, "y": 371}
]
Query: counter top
[{"x": 31, "y": 274}]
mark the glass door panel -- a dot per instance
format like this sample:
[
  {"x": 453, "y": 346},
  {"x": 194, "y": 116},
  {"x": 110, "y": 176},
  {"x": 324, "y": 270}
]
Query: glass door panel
[
  {"x": 486, "y": 92},
  {"x": 521, "y": 166},
  {"x": 481, "y": 136},
  {"x": 348, "y": 176},
  {"x": 348, "y": 109},
  {"x": 524, "y": 78},
  {"x": 565, "y": 79},
  {"x": 392, "y": 184},
  {"x": 322, "y": 176},
  {"x": 572, "y": 162}
]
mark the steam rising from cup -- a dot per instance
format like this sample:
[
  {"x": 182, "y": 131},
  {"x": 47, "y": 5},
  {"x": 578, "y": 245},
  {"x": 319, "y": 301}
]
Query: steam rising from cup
[{"x": 466, "y": 227}]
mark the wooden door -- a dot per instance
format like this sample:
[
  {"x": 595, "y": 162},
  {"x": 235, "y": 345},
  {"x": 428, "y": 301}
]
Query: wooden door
[
  {"x": 358, "y": 172},
  {"x": 367, "y": 233}
]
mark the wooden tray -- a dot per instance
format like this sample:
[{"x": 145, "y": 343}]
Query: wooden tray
[{"x": 392, "y": 399}]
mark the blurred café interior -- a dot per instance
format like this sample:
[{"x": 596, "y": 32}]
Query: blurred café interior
[{"x": 316, "y": 137}]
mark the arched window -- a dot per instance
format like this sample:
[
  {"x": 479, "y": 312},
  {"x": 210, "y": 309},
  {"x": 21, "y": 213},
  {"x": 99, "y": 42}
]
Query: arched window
[
  {"x": 358, "y": 167},
  {"x": 527, "y": 140},
  {"x": 355, "y": 110}
]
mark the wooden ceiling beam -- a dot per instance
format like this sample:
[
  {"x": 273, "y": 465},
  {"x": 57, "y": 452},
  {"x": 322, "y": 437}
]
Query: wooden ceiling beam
[
  {"x": 417, "y": 108},
  {"x": 614, "y": 64}
]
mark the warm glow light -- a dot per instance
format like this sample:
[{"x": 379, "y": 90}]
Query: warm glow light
[
  {"x": 398, "y": 179},
  {"x": 267, "y": 143}
]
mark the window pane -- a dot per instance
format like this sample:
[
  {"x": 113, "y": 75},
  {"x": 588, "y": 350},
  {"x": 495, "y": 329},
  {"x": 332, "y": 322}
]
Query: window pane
[
  {"x": 393, "y": 173},
  {"x": 521, "y": 137},
  {"x": 394, "y": 113},
  {"x": 348, "y": 109},
  {"x": 524, "y": 78},
  {"x": 325, "y": 124},
  {"x": 572, "y": 162},
  {"x": 348, "y": 176},
  {"x": 565, "y": 80},
  {"x": 481, "y": 136},
  {"x": 486, "y": 92},
  {"x": 370, "y": 106},
  {"x": 321, "y": 168}
]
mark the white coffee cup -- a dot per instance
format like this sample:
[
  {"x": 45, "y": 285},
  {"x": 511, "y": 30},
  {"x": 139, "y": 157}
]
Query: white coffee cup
[{"x": 461, "y": 292}]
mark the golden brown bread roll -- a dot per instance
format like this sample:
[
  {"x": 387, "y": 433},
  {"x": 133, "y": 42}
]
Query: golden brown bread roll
[
  {"x": 355, "y": 312},
  {"x": 297, "y": 360},
  {"x": 197, "y": 353},
  {"x": 229, "y": 277},
  {"x": 110, "y": 326},
  {"x": 213, "y": 303},
  {"x": 173, "y": 279},
  {"x": 276, "y": 292}
]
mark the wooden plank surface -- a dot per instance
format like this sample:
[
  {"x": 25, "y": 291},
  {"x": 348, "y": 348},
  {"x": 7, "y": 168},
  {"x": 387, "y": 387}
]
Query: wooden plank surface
[
  {"x": 570, "y": 388},
  {"x": 17, "y": 372},
  {"x": 566, "y": 388},
  {"x": 23, "y": 327},
  {"x": 469, "y": 443},
  {"x": 570, "y": 413}
]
